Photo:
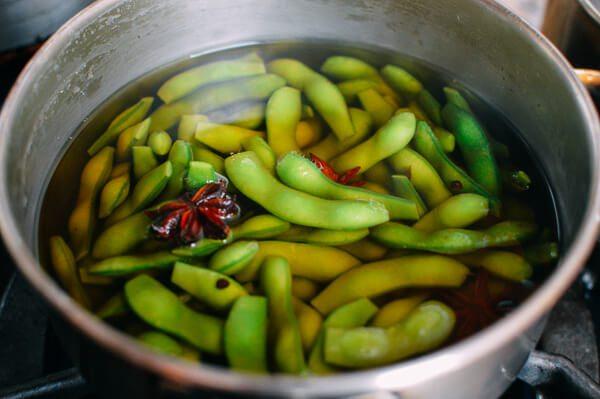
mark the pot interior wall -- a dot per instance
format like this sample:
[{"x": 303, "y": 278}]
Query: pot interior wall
[{"x": 129, "y": 40}]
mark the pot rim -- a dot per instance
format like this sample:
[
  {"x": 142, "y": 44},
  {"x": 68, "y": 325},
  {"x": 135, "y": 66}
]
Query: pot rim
[{"x": 403, "y": 375}]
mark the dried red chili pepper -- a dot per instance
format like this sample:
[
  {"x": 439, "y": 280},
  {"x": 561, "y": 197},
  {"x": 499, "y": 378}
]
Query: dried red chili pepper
[
  {"x": 191, "y": 217},
  {"x": 344, "y": 178}
]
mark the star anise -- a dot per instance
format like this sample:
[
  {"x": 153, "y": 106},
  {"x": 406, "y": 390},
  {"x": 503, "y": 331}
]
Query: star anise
[
  {"x": 480, "y": 303},
  {"x": 205, "y": 213},
  {"x": 343, "y": 178}
]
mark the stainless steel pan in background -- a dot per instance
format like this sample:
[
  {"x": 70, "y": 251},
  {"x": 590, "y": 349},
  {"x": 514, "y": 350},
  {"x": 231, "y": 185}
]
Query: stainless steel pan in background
[{"x": 481, "y": 44}]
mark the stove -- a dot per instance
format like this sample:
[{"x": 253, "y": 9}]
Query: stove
[{"x": 34, "y": 365}]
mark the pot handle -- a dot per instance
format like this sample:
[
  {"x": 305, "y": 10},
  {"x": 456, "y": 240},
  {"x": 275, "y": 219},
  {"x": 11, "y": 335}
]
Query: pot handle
[{"x": 589, "y": 77}]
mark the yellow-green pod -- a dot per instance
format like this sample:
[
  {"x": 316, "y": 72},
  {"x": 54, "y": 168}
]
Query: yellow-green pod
[
  {"x": 263, "y": 151},
  {"x": 187, "y": 126},
  {"x": 395, "y": 311},
  {"x": 461, "y": 210},
  {"x": 283, "y": 114},
  {"x": 379, "y": 173},
  {"x": 309, "y": 323},
  {"x": 160, "y": 142},
  {"x": 381, "y": 111},
  {"x": 249, "y": 115},
  {"x": 143, "y": 161},
  {"x": 205, "y": 155},
  {"x": 223, "y": 138},
  {"x": 375, "y": 187},
  {"x": 401, "y": 80},
  {"x": 113, "y": 194},
  {"x": 365, "y": 250},
  {"x": 65, "y": 268},
  {"x": 308, "y": 132},
  {"x": 150, "y": 186},
  {"x": 351, "y": 88},
  {"x": 130, "y": 137},
  {"x": 120, "y": 169},
  {"x": 83, "y": 218},
  {"x": 505, "y": 264},
  {"x": 304, "y": 289},
  {"x": 447, "y": 139}
]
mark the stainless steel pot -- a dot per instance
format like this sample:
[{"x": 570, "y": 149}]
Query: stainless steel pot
[{"x": 480, "y": 43}]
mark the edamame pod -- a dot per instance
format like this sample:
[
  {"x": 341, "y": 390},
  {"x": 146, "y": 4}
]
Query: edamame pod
[
  {"x": 422, "y": 175},
  {"x": 283, "y": 114},
  {"x": 460, "y": 210},
  {"x": 214, "y": 289},
  {"x": 330, "y": 146},
  {"x": 212, "y": 97},
  {"x": 247, "y": 174},
  {"x": 149, "y": 187},
  {"x": 245, "y": 334},
  {"x": 314, "y": 262},
  {"x": 161, "y": 309},
  {"x": 186, "y": 82},
  {"x": 431, "y": 106},
  {"x": 205, "y": 155},
  {"x": 120, "y": 169},
  {"x": 249, "y": 115},
  {"x": 389, "y": 139},
  {"x": 395, "y": 311},
  {"x": 373, "y": 279},
  {"x": 378, "y": 173},
  {"x": 143, "y": 160},
  {"x": 475, "y": 148},
  {"x": 122, "y": 236},
  {"x": 365, "y": 250},
  {"x": 309, "y": 323},
  {"x": 403, "y": 188},
  {"x": 187, "y": 126},
  {"x": 276, "y": 281},
  {"x": 83, "y": 218},
  {"x": 301, "y": 174},
  {"x": 131, "y": 116},
  {"x": 351, "y": 88},
  {"x": 115, "y": 306},
  {"x": 380, "y": 110},
  {"x": 65, "y": 268},
  {"x": 453, "y": 241},
  {"x": 135, "y": 135},
  {"x": 160, "y": 143},
  {"x": 445, "y": 138},
  {"x": 401, "y": 80},
  {"x": 515, "y": 179},
  {"x": 113, "y": 194},
  {"x": 453, "y": 96},
  {"x": 223, "y": 138},
  {"x": 199, "y": 174},
  {"x": 426, "y": 328},
  {"x": 180, "y": 157},
  {"x": 375, "y": 187},
  {"x": 263, "y": 151},
  {"x": 234, "y": 258},
  {"x": 503, "y": 264},
  {"x": 308, "y": 132},
  {"x": 322, "y": 236},
  {"x": 160, "y": 343},
  {"x": 303, "y": 288},
  {"x": 353, "y": 314},
  {"x": 129, "y": 264}
]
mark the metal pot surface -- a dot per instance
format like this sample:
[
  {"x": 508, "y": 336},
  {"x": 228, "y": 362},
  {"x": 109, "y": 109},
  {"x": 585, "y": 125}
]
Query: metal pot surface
[{"x": 481, "y": 44}]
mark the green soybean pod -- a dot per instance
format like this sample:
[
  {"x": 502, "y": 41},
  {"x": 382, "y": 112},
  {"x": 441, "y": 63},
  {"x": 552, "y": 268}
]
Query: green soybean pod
[
  {"x": 215, "y": 96},
  {"x": 365, "y": 250},
  {"x": 199, "y": 174},
  {"x": 283, "y": 114},
  {"x": 223, "y": 138},
  {"x": 504, "y": 264},
  {"x": 248, "y": 114},
  {"x": 309, "y": 323},
  {"x": 293, "y": 71},
  {"x": 122, "y": 236},
  {"x": 202, "y": 154},
  {"x": 453, "y": 241},
  {"x": 214, "y": 289},
  {"x": 115, "y": 306},
  {"x": 330, "y": 146},
  {"x": 303, "y": 288},
  {"x": 431, "y": 106},
  {"x": 301, "y": 174},
  {"x": 249, "y": 176},
  {"x": 131, "y": 116},
  {"x": 143, "y": 160},
  {"x": 276, "y": 280},
  {"x": 403, "y": 188},
  {"x": 379, "y": 173},
  {"x": 446, "y": 139},
  {"x": 135, "y": 135},
  {"x": 475, "y": 148},
  {"x": 180, "y": 156},
  {"x": 245, "y": 334},
  {"x": 426, "y": 328},
  {"x": 120, "y": 169},
  {"x": 129, "y": 264},
  {"x": 322, "y": 236},
  {"x": 260, "y": 227},
  {"x": 315, "y": 262},
  {"x": 187, "y": 126},
  {"x": 160, "y": 343},
  {"x": 351, "y": 315},
  {"x": 82, "y": 220},
  {"x": 373, "y": 279},
  {"x": 375, "y": 187},
  {"x": 186, "y": 82},
  {"x": 123, "y": 211},
  {"x": 460, "y": 210},
  {"x": 421, "y": 174},
  {"x": 395, "y": 311},
  {"x": 308, "y": 132},
  {"x": 401, "y": 80},
  {"x": 379, "y": 109},
  {"x": 113, "y": 194},
  {"x": 389, "y": 139},
  {"x": 351, "y": 88},
  {"x": 160, "y": 142},
  {"x": 234, "y": 258},
  {"x": 149, "y": 187},
  {"x": 453, "y": 96},
  {"x": 263, "y": 151},
  {"x": 63, "y": 262},
  {"x": 161, "y": 309}
]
